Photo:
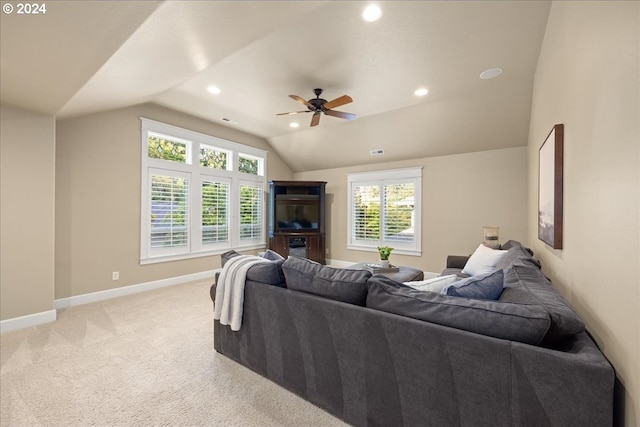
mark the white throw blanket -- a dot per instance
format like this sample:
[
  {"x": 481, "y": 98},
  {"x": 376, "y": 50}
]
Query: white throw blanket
[{"x": 230, "y": 290}]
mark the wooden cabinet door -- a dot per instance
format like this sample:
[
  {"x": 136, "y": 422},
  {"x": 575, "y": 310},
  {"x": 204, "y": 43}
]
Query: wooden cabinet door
[
  {"x": 280, "y": 244},
  {"x": 315, "y": 248}
]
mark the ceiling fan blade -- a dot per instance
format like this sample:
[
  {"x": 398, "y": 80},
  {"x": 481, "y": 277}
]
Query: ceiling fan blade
[
  {"x": 315, "y": 119},
  {"x": 301, "y": 101},
  {"x": 344, "y": 99},
  {"x": 292, "y": 112},
  {"x": 341, "y": 114}
]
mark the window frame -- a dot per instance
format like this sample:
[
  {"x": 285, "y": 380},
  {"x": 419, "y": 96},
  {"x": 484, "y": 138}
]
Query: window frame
[
  {"x": 381, "y": 179},
  {"x": 197, "y": 175}
]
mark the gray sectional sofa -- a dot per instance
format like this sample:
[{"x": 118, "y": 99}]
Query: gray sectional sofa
[{"x": 374, "y": 352}]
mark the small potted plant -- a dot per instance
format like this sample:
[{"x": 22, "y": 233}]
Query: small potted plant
[{"x": 384, "y": 252}]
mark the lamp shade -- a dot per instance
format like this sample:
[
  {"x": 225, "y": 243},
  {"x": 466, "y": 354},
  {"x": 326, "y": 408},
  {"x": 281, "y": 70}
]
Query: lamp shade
[{"x": 491, "y": 236}]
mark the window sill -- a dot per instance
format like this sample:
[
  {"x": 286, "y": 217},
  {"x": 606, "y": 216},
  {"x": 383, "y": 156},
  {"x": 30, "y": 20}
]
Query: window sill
[{"x": 179, "y": 257}]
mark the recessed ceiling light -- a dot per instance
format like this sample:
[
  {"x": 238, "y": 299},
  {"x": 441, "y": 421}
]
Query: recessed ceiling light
[
  {"x": 490, "y": 73},
  {"x": 213, "y": 89},
  {"x": 372, "y": 13},
  {"x": 294, "y": 124},
  {"x": 421, "y": 92}
]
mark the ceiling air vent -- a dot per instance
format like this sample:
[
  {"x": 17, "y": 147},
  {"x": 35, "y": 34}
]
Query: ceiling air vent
[{"x": 377, "y": 152}]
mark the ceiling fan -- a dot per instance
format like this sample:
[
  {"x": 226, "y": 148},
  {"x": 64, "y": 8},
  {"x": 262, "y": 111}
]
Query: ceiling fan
[{"x": 319, "y": 105}]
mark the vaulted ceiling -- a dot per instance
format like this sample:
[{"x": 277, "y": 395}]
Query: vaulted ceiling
[{"x": 85, "y": 57}]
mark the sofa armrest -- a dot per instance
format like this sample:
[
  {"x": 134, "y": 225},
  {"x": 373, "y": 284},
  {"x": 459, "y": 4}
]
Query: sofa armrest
[{"x": 457, "y": 261}]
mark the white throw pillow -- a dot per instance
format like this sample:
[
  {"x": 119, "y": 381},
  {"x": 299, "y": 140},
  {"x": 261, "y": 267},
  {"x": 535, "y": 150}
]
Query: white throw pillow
[
  {"x": 484, "y": 260},
  {"x": 433, "y": 285}
]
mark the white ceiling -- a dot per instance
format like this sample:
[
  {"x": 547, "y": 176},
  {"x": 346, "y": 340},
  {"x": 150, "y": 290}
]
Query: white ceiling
[{"x": 83, "y": 57}]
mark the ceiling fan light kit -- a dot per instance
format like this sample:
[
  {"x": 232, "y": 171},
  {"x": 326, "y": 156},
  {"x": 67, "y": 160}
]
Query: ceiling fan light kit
[{"x": 319, "y": 105}]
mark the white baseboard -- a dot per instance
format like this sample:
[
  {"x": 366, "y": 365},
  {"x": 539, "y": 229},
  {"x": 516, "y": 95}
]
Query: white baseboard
[
  {"x": 27, "y": 321},
  {"x": 51, "y": 315},
  {"x": 131, "y": 289}
]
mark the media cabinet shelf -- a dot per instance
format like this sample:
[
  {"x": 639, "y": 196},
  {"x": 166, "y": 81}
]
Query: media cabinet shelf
[{"x": 297, "y": 219}]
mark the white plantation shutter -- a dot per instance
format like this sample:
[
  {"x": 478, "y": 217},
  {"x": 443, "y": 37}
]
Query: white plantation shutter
[
  {"x": 169, "y": 212},
  {"x": 366, "y": 212},
  {"x": 397, "y": 213},
  {"x": 384, "y": 210},
  {"x": 215, "y": 212},
  {"x": 250, "y": 212}
]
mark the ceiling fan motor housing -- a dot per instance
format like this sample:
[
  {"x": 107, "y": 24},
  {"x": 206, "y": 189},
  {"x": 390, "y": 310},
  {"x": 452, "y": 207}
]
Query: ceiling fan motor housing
[{"x": 317, "y": 102}]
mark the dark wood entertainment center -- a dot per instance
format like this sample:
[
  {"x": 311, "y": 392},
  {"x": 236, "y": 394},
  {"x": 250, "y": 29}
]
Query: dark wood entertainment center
[{"x": 297, "y": 219}]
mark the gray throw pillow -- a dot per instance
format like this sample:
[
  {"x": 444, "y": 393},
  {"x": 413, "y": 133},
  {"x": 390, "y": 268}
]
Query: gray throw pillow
[
  {"x": 515, "y": 322},
  {"x": 484, "y": 286},
  {"x": 340, "y": 284}
]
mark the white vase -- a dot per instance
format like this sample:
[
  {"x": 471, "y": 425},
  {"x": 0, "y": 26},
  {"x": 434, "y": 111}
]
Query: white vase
[{"x": 384, "y": 263}]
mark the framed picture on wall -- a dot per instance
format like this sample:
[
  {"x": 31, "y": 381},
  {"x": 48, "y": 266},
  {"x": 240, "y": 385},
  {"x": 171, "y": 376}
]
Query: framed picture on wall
[{"x": 550, "y": 188}]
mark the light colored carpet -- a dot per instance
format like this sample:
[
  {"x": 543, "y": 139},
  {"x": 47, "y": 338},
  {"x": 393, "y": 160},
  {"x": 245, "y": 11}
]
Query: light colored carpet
[{"x": 144, "y": 359}]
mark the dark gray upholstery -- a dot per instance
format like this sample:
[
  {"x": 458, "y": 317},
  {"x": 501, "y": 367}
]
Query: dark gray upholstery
[
  {"x": 413, "y": 358},
  {"x": 372, "y": 368},
  {"x": 526, "y": 285},
  {"x": 340, "y": 284},
  {"x": 524, "y": 323},
  {"x": 517, "y": 255}
]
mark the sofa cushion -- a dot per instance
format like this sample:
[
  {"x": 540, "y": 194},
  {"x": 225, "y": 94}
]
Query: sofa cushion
[
  {"x": 485, "y": 286},
  {"x": 341, "y": 284},
  {"x": 526, "y": 285},
  {"x": 516, "y": 322},
  {"x": 436, "y": 284},
  {"x": 514, "y": 243},
  {"x": 265, "y": 272},
  {"x": 483, "y": 260},
  {"x": 516, "y": 255}
]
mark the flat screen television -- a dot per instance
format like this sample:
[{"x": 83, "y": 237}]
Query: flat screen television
[{"x": 292, "y": 216}]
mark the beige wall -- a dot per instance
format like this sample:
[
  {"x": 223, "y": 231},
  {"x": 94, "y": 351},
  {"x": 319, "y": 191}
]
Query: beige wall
[
  {"x": 461, "y": 193},
  {"x": 27, "y": 150},
  {"x": 588, "y": 79},
  {"x": 98, "y": 198}
]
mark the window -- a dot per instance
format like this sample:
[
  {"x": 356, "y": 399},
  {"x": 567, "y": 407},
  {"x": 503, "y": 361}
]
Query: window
[
  {"x": 166, "y": 148},
  {"x": 250, "y": 211},
  {"x": 200, "y": 194},
  {"x": 212, "y": 157},
  {"x": 169, "y": 218},
  {"x": 384, "y": 210},
  {"x": 215, "y": 211}
]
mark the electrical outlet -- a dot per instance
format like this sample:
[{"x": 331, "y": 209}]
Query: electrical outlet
[{"x": 115, "y": 275}]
